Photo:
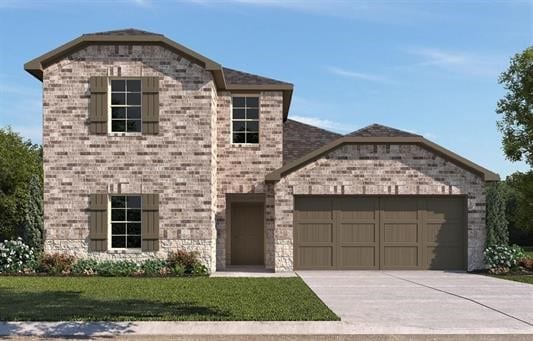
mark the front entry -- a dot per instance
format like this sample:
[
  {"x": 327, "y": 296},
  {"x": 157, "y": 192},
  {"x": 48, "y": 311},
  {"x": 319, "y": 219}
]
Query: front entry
[{"x": 247, "y": 233}]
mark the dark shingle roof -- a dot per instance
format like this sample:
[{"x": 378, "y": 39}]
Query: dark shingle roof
[
  {"x": 125, "y": 32},
  {"x": 238, "y": 77},
  {"x": 300, "y": 139},
  {"x": 378, "y": 130}
]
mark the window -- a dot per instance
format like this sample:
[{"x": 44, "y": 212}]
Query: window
[
  {"x": 126, "y": 105},
  {"x": 125, "y": 222},
  {"x": 245, "y": 119}
]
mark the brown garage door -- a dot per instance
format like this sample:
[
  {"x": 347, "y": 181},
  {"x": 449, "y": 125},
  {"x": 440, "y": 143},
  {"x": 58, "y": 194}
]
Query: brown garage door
[{"x": 400, "y": 232}]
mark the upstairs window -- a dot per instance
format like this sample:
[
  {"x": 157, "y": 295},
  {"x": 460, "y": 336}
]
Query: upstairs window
[
  {"x": 126, "y": 222},
  {"x": 245, "y": 120},
  {"x": 126, "y": 105}
]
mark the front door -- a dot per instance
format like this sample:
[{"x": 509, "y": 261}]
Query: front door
[{"x": 247, "y": 233}]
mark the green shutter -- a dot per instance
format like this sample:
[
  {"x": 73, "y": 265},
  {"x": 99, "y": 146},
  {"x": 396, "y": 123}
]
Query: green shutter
[
  {"x": 98, "y": 222},
  {"x": 98, "y": 105},
  {"x": 150, "y": 105},
  {"x": 150, "y": 222}
]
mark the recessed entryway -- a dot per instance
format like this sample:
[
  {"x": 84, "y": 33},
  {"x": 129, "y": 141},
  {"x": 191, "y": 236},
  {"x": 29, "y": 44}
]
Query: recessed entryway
[
  {"x": 380, "y": 232},
  {"x": 247, "y": 233}
]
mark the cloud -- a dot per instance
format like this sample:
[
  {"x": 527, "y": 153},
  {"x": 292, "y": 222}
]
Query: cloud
[
  {"x": 338, "y": 127},
  {"x": 466, "y": 63},
  {"x": 359, "y": 75}
]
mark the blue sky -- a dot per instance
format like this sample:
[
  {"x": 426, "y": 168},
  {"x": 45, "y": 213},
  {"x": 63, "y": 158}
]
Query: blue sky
[{"x": 429, "y": 67}]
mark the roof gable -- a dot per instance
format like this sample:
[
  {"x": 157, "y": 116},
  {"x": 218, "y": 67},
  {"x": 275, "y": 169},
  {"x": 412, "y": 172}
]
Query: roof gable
[
  {"x": 378, "y": 130},
  {"x": 300, "y": 138}
]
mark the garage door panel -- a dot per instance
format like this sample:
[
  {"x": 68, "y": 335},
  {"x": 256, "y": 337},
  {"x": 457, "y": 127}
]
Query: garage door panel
[
  {"x": 400, "y": 257},
  {"x": 358, "y": 257},
  {"x": 315, "y": 257},
  {"x": 444, "y": 258},
  {"x": 313, "y": 233},
  {"x": 398, "y": 209},
  {"x": 354, "y": 209},
  {"x": 400, "y": 233},
  {"x": 312, "y": 208},
  {"x": 357, "y": 233},
  {"x": 444, "y": 209},
  {"x": 444, "y": 233}
]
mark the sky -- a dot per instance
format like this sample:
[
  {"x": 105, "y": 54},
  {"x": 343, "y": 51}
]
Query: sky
[{"x": 429, "y": 67}]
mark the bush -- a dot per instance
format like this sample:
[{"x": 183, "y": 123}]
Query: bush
[
  {"x": 118, "y": 268},
  {"x": 502, "y": 258},
  {"x": 497, "y": 224},
  {"x": 155, "y": 267},
  {"x": 186, "y": 263},
  {"x": 85, "y": 267},
  {"x": 17, "y": 257},
  {"x": 56, "y": 263}
]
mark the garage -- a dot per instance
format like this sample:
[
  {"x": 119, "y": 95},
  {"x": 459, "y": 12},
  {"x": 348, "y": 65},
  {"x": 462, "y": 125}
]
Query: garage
[{"x": 380, "y": 232}]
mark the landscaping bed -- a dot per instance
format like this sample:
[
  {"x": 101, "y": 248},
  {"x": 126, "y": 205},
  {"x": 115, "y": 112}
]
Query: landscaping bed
[{"x": 36, "y": 298}]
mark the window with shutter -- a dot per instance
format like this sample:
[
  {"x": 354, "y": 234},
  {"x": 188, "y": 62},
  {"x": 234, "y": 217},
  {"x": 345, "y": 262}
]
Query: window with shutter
[
  {"x": 150, "y": 222},
  {"x": 98, "y": 226},
  {"x": 98, "y": 105}
]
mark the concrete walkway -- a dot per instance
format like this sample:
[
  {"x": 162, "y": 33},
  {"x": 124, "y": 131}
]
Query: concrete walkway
[{"x": 425, "y": 302}]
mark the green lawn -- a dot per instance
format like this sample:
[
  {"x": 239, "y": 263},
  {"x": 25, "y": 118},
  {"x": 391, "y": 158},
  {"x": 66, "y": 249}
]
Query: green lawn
[
  {"x": 183, "y": 299},
  {"x": 517, "y": 278}
]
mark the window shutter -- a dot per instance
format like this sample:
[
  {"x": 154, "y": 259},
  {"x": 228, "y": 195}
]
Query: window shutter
[
  {"x": 150, "y": 105},
  {"x": 98, "y": 105},
  {"x": 98, "y": 222},
  {"x": 150, "y": 222}
]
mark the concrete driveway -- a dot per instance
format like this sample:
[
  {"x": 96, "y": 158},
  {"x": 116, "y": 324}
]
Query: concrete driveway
[{"x": 424, "y": 301}]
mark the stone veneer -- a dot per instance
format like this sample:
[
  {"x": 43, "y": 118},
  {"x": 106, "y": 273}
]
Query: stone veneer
[
  {"x": 379, "y": 169},
  {"x": 179, "y": 163},
  {"x": 242, "y": 168}
]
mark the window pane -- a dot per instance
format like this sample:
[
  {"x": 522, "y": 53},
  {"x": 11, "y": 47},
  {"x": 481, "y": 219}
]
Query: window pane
[
  {"x": 134, "y": 215},
  {"x": 118, "y": 125},
  {"x": 238, "y": 114},
  {"x": 118, "y": 202},
  {"x": 238, "y": 138},
  {"x": 252, "y": 138},
  {"x": 118, "y": 215},
  {"x": 252, "y": 102},
  {"x": 134, "y": 228},
  {"x": 134, "y": 201},
  {"x": 118, "y": 85},
  {"x": 118, "y": 228},
  {"x": 118, "y": 98},
  {"x": 133, "y": 125},
  {"x": 252, "y": 114},
  {"x": 118, "y": 242},
  {"x": 134, "y": 112},
  {"x": 238, "y": 102},
  {"x": 134, "y": 85},
  {"x": 134, "y": 241},
  {"x": 118, "y": 112},
  {"x": 238, "y": 126},
  {"x": 134, "y": 99},
  {"x": 252, "y": 126}
]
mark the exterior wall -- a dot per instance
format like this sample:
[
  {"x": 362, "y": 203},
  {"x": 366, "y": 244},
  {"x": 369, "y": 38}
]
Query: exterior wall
[
  {"x": 179, "y": 162},
  {"x": 242, "y": 168},
  {"x": 379, "y": 169}
]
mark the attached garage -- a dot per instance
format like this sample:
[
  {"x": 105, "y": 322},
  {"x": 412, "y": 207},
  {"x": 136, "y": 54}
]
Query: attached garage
[{"x": 380, "y": 232}]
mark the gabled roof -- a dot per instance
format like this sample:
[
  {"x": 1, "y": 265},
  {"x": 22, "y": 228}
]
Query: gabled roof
[
  {"x": 236, "y": 80},
  {"x": 300, "y": 138},
  {"x": 380, "y": 130},
  {"x": 290, "y": 167}
]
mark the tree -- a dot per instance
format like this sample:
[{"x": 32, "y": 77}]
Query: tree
[
  {"x": 520, "y": 205},
  {"x": 517, "y": 108},
  {"x": 21, "y": 183},
  {"x": 497, "y": 224}
]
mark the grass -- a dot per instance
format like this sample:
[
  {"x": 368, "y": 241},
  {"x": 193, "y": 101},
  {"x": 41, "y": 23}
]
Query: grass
[
  {"x": 528, "y": 250},
  {"x": 181, "y": 299},
  {"x": 516, "y": 278}
]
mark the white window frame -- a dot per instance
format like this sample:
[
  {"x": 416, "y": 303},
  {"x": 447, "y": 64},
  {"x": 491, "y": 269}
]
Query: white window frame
[
  {"x": 110, "y": 106},
  {"x": 258, "y": 119},
  {"x": 109, "y": 224}
]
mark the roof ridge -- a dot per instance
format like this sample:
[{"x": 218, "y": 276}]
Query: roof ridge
[
  {"x": 315, "y": 127},
  {"x": 381, "y": 130}
]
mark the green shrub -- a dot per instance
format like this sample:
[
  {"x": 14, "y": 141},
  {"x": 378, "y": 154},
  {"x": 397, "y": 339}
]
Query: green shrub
[
  {"x": 186, "y": 263},
  {"x": 85, "y": 267},
  {"x": 117, "y": 268},
  {"x": 497, "y": 224},
  {"x": 154, "y": 267},
  {"x": 56, "y": 263},
  {"x": 17, "y": 257},
  {"x": 502, "y": 258}
]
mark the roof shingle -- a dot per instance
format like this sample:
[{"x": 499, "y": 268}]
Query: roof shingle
[
  {"x": 125, "y": 32},
  {"x": 239, "y": 77},
  {"x": 378, "y": 130},
  {"x": 300, "y": 138}
]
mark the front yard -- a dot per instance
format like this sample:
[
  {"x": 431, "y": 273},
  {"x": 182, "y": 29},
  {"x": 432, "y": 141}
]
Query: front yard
[
  {"x": 516, "y": 278},
  {"x": 183, "y": 299}
]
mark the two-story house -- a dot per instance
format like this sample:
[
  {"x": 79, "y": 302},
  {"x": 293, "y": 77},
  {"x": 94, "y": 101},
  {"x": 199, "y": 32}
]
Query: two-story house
[{"x": 150, "y": 147}]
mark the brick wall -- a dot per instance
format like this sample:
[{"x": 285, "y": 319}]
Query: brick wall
[
  {"x": 179, "y": 162},
  {"x": 379, "y": 169}
]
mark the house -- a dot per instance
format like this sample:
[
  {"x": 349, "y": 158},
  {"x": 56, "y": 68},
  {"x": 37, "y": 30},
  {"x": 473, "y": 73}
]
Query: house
[{"x": 150, "y": 147}]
